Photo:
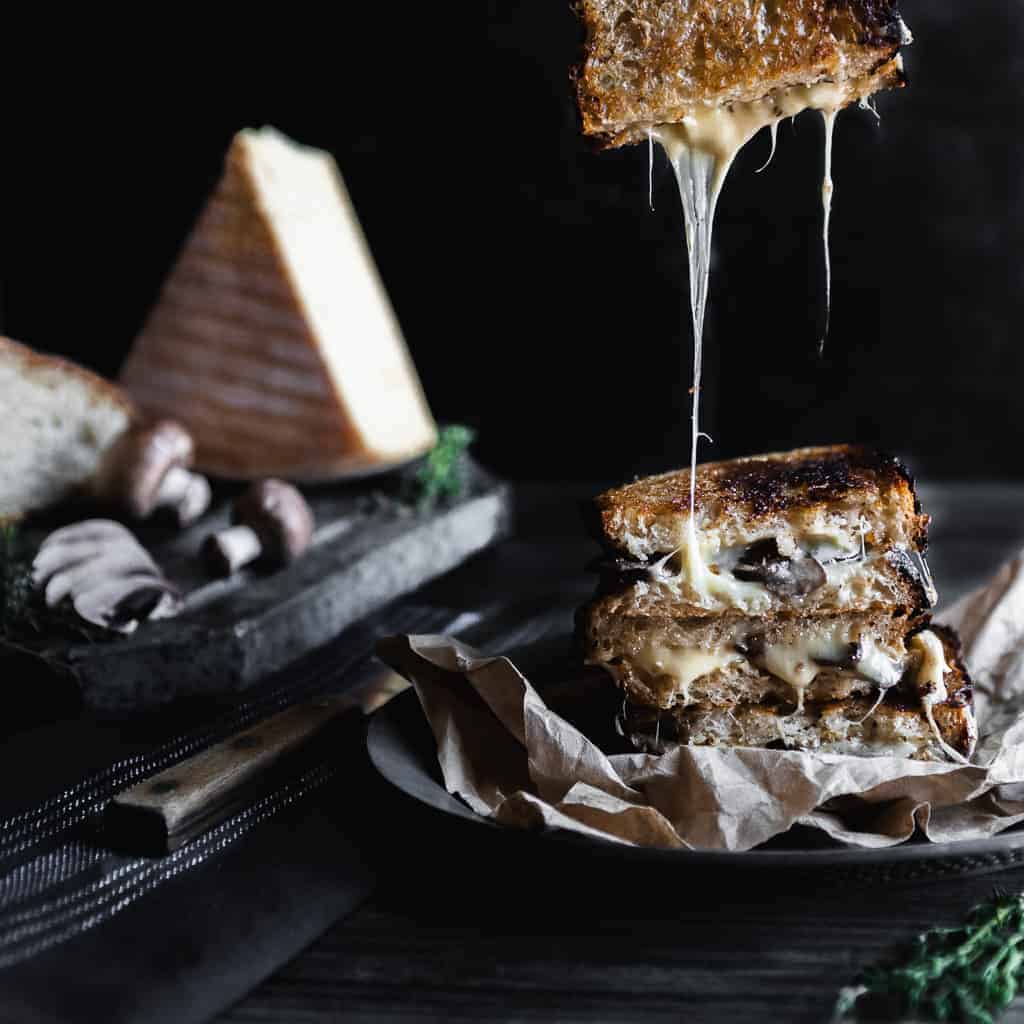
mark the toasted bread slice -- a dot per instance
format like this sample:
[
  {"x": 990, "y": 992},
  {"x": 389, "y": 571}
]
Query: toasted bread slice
[
  {"x": 816, "y": 529},
  {"x": 739, "y": 496},
  {"x": 59, "y": 420},
  {"x": 897, "y": 726},
  {"x": 651, "y": 62}
]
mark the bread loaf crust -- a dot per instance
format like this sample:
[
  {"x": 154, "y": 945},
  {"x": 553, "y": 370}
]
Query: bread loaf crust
[
  {"x": 104, "y": 390},
  {"x": 60, "y": 420}
]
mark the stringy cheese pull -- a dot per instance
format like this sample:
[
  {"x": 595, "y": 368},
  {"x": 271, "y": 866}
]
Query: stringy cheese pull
[
  {"x": 931, "y": 686},
  {"x": 701, "y": 148}
]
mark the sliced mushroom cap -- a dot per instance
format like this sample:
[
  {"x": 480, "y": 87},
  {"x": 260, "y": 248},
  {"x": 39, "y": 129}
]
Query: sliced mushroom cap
[
  {"x": 110, "y": 578},
  {"x": 122, "y": 602},
  {"x": 71, "y": 545},
  {"x": 786, "y": 577},
  {"x": 119, "y": 559}
]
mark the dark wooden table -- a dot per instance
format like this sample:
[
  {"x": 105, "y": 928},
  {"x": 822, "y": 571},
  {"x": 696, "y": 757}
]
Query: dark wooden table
[{"x": 471, "y": 927}]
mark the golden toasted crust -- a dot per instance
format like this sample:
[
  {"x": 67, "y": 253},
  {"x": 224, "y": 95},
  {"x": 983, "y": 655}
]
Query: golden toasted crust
[
  {"x": 762, "y": 486},
  {"x": 647, "y": 62},
  {"x": 32, "y": 360}
]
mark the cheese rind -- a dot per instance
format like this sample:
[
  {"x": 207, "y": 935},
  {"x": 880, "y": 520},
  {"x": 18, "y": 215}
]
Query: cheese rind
[{"x": 273, "y": 339}]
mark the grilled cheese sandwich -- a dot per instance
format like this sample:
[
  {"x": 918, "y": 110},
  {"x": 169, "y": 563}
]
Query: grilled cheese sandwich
[{"x": 819, "y": 612}]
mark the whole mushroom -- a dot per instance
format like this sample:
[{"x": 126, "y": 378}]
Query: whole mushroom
[
  {"x": 148, "y": 469},
  {"x": 272, "y": 523}
]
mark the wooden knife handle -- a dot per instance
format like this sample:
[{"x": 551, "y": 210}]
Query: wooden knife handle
[{"x": 167, "y": 809}]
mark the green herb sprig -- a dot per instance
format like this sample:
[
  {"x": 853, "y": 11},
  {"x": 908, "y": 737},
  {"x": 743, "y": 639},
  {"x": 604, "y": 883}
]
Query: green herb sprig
[
  {"x": 443, "y": 473},
  {"x": 971, "y": 973}
]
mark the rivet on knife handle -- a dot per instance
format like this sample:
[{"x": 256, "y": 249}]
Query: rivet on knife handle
[{"x": 168, "y": 809}]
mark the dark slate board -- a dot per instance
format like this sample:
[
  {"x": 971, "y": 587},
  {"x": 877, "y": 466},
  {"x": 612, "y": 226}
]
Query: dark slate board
[{"x": 370, "y": 547}]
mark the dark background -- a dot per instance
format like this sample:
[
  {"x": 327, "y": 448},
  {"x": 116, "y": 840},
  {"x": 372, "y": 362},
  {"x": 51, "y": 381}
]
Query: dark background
[{"x": 541, "y": 299}]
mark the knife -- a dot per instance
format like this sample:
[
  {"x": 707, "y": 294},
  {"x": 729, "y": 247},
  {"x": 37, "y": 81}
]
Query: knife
[{"x": 166, "y": 810}]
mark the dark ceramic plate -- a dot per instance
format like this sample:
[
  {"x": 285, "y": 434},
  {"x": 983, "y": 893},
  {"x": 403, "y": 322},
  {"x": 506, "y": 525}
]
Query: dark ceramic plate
[{"x": 402, "y": 750}]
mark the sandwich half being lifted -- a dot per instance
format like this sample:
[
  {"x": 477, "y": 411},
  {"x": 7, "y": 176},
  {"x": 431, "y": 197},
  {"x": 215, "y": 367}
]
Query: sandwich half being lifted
[
  {"x": 792, "y": 611},
  {"x": 648, "y": 63}
]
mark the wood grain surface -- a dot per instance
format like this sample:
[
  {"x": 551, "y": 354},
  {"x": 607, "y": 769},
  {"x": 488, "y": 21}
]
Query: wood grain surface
[{"x": 717, "y": 953}]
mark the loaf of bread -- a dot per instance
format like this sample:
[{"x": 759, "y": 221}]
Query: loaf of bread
[
  {"x": 273, "y": 339},
  {"x": 58, "y": 422}
]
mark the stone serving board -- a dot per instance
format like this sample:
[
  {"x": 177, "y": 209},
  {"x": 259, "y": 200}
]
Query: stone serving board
[{"x": 369, "y": 548}]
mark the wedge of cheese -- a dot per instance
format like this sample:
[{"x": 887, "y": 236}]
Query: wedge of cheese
[
  {"x": 273, "y": 339},
  {"x": 57, "y": 421}
]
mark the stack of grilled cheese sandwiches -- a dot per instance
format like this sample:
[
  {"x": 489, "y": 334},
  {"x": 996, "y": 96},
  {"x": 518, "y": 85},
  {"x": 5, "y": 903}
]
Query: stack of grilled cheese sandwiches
[{"x": 791, "y": 611}]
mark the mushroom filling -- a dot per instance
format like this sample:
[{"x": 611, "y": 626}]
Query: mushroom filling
[
  {"x": 671, "y": 671},
  {"x": 797, "y": 574}
]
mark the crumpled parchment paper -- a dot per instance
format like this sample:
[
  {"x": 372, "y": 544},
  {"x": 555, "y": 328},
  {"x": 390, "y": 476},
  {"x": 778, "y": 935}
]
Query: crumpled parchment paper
[{"x": 510, "y": 757}]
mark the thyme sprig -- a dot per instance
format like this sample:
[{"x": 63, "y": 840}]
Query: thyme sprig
[
  {"x": 971, "y": 973},
  {"x": 443, "y": 473}
]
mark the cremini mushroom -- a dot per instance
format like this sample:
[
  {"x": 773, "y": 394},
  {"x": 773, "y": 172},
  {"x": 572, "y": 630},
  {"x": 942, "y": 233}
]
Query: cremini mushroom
[
  {"x": 272, "y": 523},
  {"x": 148, "y": 469},
  {"x": 796, "y": 576}
]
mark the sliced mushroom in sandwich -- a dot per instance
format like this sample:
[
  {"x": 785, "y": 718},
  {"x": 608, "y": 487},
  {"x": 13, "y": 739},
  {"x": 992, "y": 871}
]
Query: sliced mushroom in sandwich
[
  {"x": 797, "y": 601},
  {"x": 815, "y": 530}
]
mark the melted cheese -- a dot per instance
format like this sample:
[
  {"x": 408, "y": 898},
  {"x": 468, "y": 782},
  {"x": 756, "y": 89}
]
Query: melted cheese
[
  {"x": 932, "y": 669},
  {"x": 722, "y": 131},
  {"x": 931, "y": 685},
  {"x": 708, "y": 572},
  {"x": 701, "y": 148},
  {"x": 799, "y": 663},
  {"x": 827, "y": 189},
  {"x": 722, "y": 585},
  {"x": 672, "y": 670},
  {"x": 675, "y": 668}
]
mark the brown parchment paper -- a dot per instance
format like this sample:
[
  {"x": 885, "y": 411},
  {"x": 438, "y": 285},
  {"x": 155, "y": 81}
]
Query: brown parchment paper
[{"x": 510, "y": 757}]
